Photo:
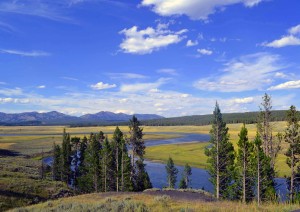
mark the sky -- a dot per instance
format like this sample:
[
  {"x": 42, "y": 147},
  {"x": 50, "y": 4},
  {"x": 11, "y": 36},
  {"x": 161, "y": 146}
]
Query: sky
[{"x": 166, "y": 57}]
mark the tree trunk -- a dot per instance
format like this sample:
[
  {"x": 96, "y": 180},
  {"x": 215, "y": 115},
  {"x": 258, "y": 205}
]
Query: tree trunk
[
  {"x": 117, "y": 175},
  {"x": 122, "y": 168},
  {"x": 218, "y": 168},
  {"x": 244, "y": 177},
  {"x": 292, "y": 178},
  {"x": 258, "y": 178}
]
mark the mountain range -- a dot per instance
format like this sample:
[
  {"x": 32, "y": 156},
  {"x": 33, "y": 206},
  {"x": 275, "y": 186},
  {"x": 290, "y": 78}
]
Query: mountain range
[{"x": 54, "y": 117}]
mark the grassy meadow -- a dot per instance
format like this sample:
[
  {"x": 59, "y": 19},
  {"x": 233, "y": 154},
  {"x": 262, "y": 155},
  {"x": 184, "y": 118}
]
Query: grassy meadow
[{"x": 145, "y": 202}]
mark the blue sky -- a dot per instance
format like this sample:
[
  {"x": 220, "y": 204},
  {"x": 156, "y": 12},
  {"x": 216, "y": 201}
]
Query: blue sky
[{"x": 168, "y": 57}]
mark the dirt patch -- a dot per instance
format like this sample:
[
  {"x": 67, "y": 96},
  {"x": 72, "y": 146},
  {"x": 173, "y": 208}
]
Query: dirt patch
[{"x": 6, "y": 145}]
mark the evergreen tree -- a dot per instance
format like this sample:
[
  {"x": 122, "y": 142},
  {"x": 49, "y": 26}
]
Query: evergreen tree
[
  {"x": 245, "y": 166},
  {"x": 185, "y": 180},
  {"x": 142, "y": 179},
  {"x": 172, "y": 172},
  {"x": 292, "y": 136},
  {"x": 221, "y": 157},
  {"x": 126, "y": 168},
  {"x": 182, "y": 183},
  {"x": 57, "y": 163},
  {"x": 107, "y": 167},
  {"x": 139, "y": 174},
  {"x": 264, "y": 180},
  {"x": 66, "y": 157},
  {"x": 117, "y": 144},
  {"x": 271, "y": 145}
]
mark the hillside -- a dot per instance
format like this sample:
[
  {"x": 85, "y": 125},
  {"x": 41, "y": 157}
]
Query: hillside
[
  {"x": 56, "y": 118},
  {"x": 248, "y": 118}
]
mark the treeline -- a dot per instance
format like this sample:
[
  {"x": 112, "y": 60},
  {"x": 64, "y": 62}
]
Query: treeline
[
  {"x": 229, "y": 118},
  {"x": 99, "y": 164},
  {"x": 249, "y": 173}
]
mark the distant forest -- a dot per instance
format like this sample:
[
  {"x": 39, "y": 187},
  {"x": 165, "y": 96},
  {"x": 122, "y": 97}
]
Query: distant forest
[{"x": 230, "y": 118}]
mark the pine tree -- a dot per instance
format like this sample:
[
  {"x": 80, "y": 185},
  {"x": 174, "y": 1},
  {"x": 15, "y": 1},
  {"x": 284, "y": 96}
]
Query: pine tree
[
  {"x": 245, "y": 165},
  {"x": 66, "y": 157},
  {"x": 139, "y": 174},
  {"x": 117, "y": 144},
  {"x": 108, "y": 163},
  {"x": 292, "y": 136},
  {"x": 185, "y": 180},
  {"x": 142, "y": 179},
  {"x": 271, "y": 145},
  {"x": 57, "y": 163},
  {"x": 264, "y": 180},
  {"x": 172, "y": 172},
  {"x": 221, "y": 156}
]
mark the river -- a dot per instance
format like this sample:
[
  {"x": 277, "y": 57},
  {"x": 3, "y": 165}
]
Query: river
[{"x": 199, "y": 178}]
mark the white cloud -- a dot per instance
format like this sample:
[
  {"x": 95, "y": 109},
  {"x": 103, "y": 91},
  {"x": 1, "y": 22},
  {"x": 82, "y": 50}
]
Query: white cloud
[
  {"x": 292, "y": 39},
  {"x": 11, "y": 92},
  {"x": 195, "y": 9},
  {"x": 246, "y": 100},
  {"x": 25, "y": 54},
  {"x": 205, "y": 51},
  {"x": 151, "y": 87},
  {"x": 126, "y": 76},
  {"x": 41, "y": 86},
  {"x": 295, "y": 30},
  {"x": 169, "y": 71},
  {"x": 14, "y": 100},
  {"x": 148, "y": 40},
  {"x": 190, "y": 43},
  {"x": 289, "y": 40},
  {"x": 102, "y": 86},
  {"x": 286, "y": 85},
  {"x": 250, "y": 72}
]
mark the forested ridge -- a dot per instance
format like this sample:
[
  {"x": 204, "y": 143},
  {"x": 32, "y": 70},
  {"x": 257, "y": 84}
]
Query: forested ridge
[{"x": 230, "y": 118}]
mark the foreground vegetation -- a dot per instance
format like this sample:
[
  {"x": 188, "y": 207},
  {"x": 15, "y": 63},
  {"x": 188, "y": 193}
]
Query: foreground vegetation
[
  {"x": 145, "y": 202},
  {"x": 21, "y": 182}
]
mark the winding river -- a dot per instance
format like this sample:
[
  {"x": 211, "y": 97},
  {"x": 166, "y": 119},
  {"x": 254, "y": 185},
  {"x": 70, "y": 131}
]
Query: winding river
[{"x": 199, "y": 178}]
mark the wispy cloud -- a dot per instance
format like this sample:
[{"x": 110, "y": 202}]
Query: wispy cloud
[
  {"x": 7, "y": 27},
  {"x": 250, "y": 72},
  {"x": 148, "y": 40},
  {"x": 286, "y": 85},
  {"x": 102, "y": 86},
  {"x": 169, "y": 71},
  {"x": 25, "y": 53},
  {"x": 11, "y": 92},
  {"x": 70, "y": 78},
  {"x": 291, "y": 39},
  {"x": 53, "y": 10},
  {"x": 41, "y": 86},
  {"x": 117, "y": 75},
  {"x": 141, "y": 87}
]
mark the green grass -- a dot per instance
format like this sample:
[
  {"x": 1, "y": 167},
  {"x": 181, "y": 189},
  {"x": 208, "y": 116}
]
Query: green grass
[
  {"x": 191, "y": 153},
  {"x": 144, "y": 202},
  {"x": 20, "y": 183}
]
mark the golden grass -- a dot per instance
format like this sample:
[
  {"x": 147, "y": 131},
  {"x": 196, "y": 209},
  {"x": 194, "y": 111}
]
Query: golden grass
[
  {"x": 93, "y": 202},
  {"x": 191, "y": 153}
]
